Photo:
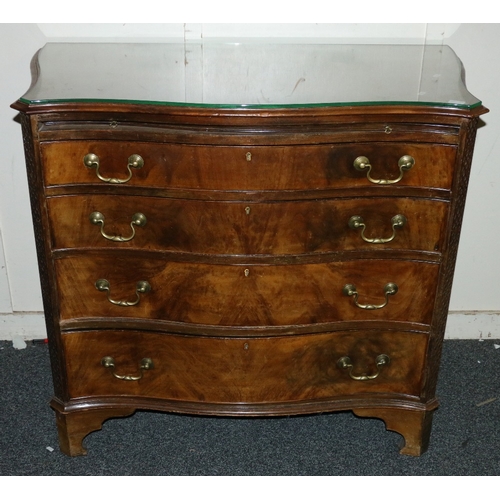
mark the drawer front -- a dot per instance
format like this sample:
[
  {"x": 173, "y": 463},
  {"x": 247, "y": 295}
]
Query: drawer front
[
  {"x": 246, "y": 228},
  {"x": 243, "y": 370},
  {"x": 244, "y": 295},
  {"x": 294, "y": 167}
]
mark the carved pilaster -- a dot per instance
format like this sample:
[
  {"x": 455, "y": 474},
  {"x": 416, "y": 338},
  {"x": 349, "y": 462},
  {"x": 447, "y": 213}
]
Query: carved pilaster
[{"x": 35, "y": 187}]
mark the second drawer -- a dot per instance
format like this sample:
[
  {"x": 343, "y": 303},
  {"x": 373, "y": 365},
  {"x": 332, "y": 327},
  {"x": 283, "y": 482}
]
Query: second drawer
[{"x": 211, "y": 227}]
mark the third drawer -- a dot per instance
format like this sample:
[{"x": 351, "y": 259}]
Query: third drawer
[{"x": 111, "y": 285}]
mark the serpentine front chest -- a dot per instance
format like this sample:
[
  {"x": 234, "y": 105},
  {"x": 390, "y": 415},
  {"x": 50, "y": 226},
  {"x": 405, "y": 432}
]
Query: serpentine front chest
[{"x": 247, "y": 229}]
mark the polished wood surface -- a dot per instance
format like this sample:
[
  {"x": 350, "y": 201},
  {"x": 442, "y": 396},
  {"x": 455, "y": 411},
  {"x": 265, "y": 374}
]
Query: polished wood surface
[
  {"x": 289, "y": 167},
  {"x": 237, "y": 228},
  {"x": 243, "y": 370},
  {"x": 240, "y": 295},
  {"x": 247, "y": 257}
]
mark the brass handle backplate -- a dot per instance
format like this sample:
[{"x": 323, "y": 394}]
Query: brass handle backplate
[
  {"x": 109, "y": 362},
  {"x": 345, "y": 363},
  {"x": 389, "y": 289},
  {"x": 138, "y": 219},
  {"x": 91, "y": 160},
  {"x": 362, "y": 163},
  {"x": 357, "y": 222},
  {"x": 142, "y": 287}
]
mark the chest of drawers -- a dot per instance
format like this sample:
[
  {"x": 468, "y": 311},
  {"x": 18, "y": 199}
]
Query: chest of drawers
[{"x": 236, "y": 258}]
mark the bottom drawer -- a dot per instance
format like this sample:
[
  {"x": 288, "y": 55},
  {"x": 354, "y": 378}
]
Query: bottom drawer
[{"x": 243, "y": 370}]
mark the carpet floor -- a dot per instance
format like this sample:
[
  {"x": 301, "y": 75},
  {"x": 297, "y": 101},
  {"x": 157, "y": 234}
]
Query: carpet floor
[{"x": 465, "y": 438}]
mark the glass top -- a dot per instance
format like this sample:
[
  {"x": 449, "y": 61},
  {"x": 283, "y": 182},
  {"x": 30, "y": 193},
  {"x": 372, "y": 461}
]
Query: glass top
[{"x": 249, "y": 75}]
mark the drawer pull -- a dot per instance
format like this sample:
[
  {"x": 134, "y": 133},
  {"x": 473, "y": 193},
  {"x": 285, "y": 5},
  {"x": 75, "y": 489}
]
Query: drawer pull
[
  {"x": 109, "y": 362},
  {"x": 345, "y": 363},
  {"x": 389, "y": 289},
  {"x": 142, "y": 287},
  {"x": 362, "y": 163},
  {"x": 138, "y": 219},
  {"x": 356, "y": 222},
  {"x": 92, "y": 161}
]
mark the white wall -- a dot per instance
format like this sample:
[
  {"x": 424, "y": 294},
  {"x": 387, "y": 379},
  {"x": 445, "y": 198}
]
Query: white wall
[{"x": 475, "y": 303}]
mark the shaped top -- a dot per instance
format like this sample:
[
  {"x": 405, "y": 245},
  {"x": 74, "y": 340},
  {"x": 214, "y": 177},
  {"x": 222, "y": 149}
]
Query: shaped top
[{"x": 249, "y": 75}]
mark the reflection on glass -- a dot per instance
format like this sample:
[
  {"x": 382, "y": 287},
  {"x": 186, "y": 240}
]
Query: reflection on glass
[{"x": 250, "y": 74}]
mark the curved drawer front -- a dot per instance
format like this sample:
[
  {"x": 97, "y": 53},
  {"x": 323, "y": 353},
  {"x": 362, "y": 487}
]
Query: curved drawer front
[
  {"x": 243, "y": 370},
  {"x": 244, "y": 295},
  {"x": 246, "y": 228},
  {"x": 296, "y": 167}
]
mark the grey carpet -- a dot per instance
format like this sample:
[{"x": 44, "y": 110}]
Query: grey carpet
[{"x": 465, "y": 438}]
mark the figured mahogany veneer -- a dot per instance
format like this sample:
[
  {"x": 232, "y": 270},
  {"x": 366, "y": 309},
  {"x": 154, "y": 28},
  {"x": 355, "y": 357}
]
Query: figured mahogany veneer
[
  {"x": 246, "y": 251},
  {"x": 285, "y": 167},
  {"x": 247, "y": 228},
  {"x": 270, "y": 370},
  {"x": 244, "y": 295}
]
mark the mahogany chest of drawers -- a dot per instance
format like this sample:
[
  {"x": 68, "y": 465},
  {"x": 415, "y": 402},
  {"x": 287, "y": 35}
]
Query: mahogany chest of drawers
[{"x": 237, "y": 256}]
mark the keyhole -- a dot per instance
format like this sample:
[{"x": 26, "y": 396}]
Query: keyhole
[
  {"x": 249, "y": 156},
  {"x": 247, "y": 210},
  {"x": 247, "y": 272}
]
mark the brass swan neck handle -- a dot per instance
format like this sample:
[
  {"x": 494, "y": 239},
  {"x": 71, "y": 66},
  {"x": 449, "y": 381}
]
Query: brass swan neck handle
[
  {"x": 142, "y": 287},
  {"x": 135, "y": 161},
  {"x": 345, "y": 363},
  {"x": 362, "y": 163},
  {"x": 350, "y": 290},
  {"x": 109, "y": 362},
  {"x": 397, "y": 222},
  {"x": 138, "y": 219}
]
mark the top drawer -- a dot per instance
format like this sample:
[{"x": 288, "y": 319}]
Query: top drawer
[{"x": 228, "y": 168}]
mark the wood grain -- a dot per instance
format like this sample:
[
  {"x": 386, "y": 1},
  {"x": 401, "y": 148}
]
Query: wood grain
[
  {"x": 242, "y": 228},
  {"x": 246, "y": 315},
  {"x": 264, "y": 370},
  {"x": 294, "y": 167},
  {"x": 242, "y": 295}
]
